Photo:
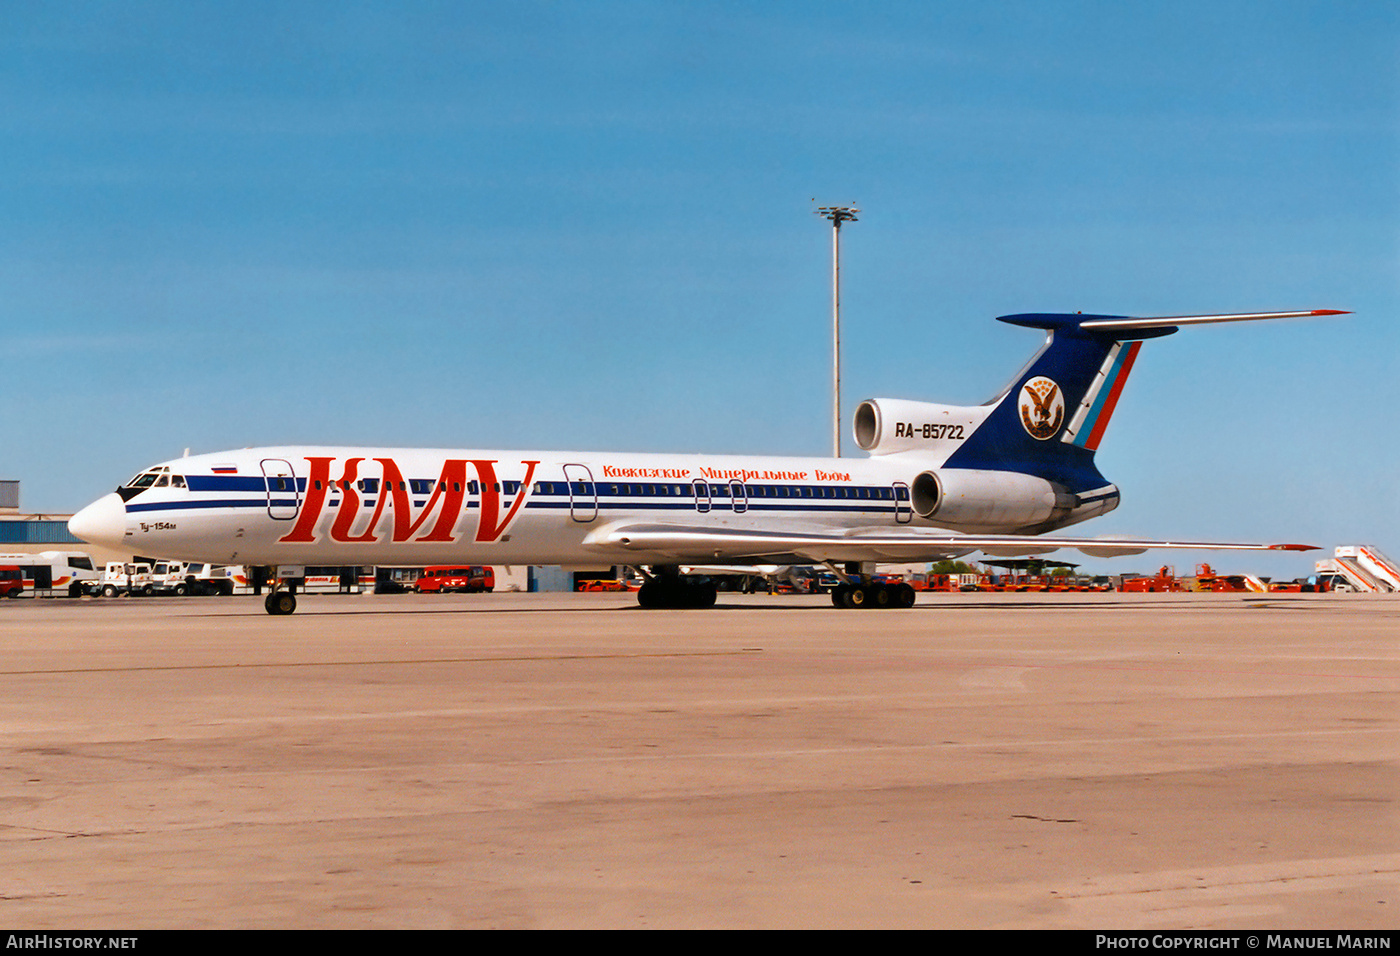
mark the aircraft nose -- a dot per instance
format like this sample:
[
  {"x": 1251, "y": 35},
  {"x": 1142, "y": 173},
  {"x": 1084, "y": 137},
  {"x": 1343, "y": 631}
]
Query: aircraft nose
[{"x": 102, "y": 522}]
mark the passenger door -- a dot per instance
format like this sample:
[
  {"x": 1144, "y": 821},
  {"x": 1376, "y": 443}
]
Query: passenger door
[
  {"x": 702, "y": 495},
  {"x": 738, "y": 497},
  {"x": 903, "y": 513},
  {"x": 283, "y": 496},
  {"x": 583, "y": 494}
]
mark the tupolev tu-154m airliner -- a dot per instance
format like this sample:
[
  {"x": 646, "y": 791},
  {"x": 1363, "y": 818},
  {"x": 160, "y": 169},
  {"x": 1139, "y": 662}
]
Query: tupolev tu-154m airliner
[{"x": 940, "y": 481}]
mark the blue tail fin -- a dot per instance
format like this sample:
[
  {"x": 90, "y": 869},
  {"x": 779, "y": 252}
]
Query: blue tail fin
[{"x": 1050, "y": 420}]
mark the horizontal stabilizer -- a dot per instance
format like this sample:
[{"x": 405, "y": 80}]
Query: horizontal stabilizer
[
  {"x": 1129, "y": 323},
  {"x": 1126, "y": 327}
]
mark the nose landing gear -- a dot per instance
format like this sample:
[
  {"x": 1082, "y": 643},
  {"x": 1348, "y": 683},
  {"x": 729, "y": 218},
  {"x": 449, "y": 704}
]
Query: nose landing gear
[
  {"x": 282, "y": 598},
  {"x": 280, "y": 602}
]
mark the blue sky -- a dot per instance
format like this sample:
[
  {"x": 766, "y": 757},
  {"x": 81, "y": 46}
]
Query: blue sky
[{"x": 589, "y": 226}]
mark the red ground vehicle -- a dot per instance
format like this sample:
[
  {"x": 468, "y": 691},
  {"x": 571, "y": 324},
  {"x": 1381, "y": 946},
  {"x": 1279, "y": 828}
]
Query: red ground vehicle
[
  {"x": 952, "y": 582},
  {"x": 1207, "y": 579},
  {"x": 605, "y": 584},
  {"x": 449, "y": 577},
  {"x": 11, "y": 581},
  {"x": 1165, "y": 580}
]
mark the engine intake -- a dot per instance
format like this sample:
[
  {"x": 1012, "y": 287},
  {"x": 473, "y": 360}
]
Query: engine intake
[{"x": 883, "y": 426}]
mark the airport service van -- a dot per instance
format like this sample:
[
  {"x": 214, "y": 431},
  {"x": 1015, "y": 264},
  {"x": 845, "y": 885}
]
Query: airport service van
[
  {"x": 11, "y": 581},
  {"x": 466, "y": 579}
]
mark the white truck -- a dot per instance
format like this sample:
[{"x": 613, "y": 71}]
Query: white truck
[
  {"x": 181, "y": 578},
  {"x": 123, "y": 577},
  {"x": 169, "y": 577},
  {"x": 222, "y": 579}
]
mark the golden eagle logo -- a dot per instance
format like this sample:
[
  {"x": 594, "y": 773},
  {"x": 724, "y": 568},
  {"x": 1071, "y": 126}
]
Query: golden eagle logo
[{"x": 1042, "y": 408}]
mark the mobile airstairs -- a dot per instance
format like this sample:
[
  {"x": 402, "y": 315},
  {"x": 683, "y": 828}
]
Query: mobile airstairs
[{"x": 1363, "y": 568}]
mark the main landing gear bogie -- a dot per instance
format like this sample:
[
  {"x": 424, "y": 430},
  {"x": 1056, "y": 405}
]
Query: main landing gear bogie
[{"x": 874, "y": 595}]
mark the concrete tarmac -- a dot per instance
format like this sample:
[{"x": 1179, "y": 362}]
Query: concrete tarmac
[{"x": 536, "y": 760}]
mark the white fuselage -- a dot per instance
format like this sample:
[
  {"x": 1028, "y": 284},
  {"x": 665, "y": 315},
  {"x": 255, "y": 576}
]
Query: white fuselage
[{"x": 401, "y": 506}]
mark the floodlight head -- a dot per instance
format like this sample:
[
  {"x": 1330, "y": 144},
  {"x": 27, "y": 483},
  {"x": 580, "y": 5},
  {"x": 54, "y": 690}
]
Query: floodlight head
[{"x": 838, "y": 214}]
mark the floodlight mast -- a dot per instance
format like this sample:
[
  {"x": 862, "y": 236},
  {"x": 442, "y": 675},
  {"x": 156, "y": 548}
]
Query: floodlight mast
[{"x": 837, "y": 215}]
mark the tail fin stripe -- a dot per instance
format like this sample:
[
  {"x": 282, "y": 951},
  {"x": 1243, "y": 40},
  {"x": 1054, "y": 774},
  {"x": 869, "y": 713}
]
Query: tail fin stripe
[
  {"x": 1111, "y": 402},
  {"x": 1091, "y": 421},
  {"x": 1087, "y": 404}
]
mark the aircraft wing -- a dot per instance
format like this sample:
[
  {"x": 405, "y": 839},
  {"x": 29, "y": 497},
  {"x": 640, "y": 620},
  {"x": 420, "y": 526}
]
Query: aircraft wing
[{"x": 684, "y": 544}]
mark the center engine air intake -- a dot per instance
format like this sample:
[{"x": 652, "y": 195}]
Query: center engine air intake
[{"x": 884, "y": 426}]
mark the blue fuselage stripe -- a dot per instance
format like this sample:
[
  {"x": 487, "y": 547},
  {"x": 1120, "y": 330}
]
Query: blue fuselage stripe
[{"x": 622, "y": 503}]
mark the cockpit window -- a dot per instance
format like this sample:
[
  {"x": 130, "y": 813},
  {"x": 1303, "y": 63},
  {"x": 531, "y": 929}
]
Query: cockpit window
[{"x": 159, "y": 477}]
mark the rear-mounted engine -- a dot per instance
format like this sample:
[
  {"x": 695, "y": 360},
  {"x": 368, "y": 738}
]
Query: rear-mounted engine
[{"x": 988, "y": 501}]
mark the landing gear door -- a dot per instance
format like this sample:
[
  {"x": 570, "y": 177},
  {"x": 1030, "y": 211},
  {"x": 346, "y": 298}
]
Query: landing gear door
[
  {"x": 583, "y": 494},
  {"x": 283, "y": 496}
]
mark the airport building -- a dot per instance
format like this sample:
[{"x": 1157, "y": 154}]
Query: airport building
[{"x": 31, "y": 533}]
